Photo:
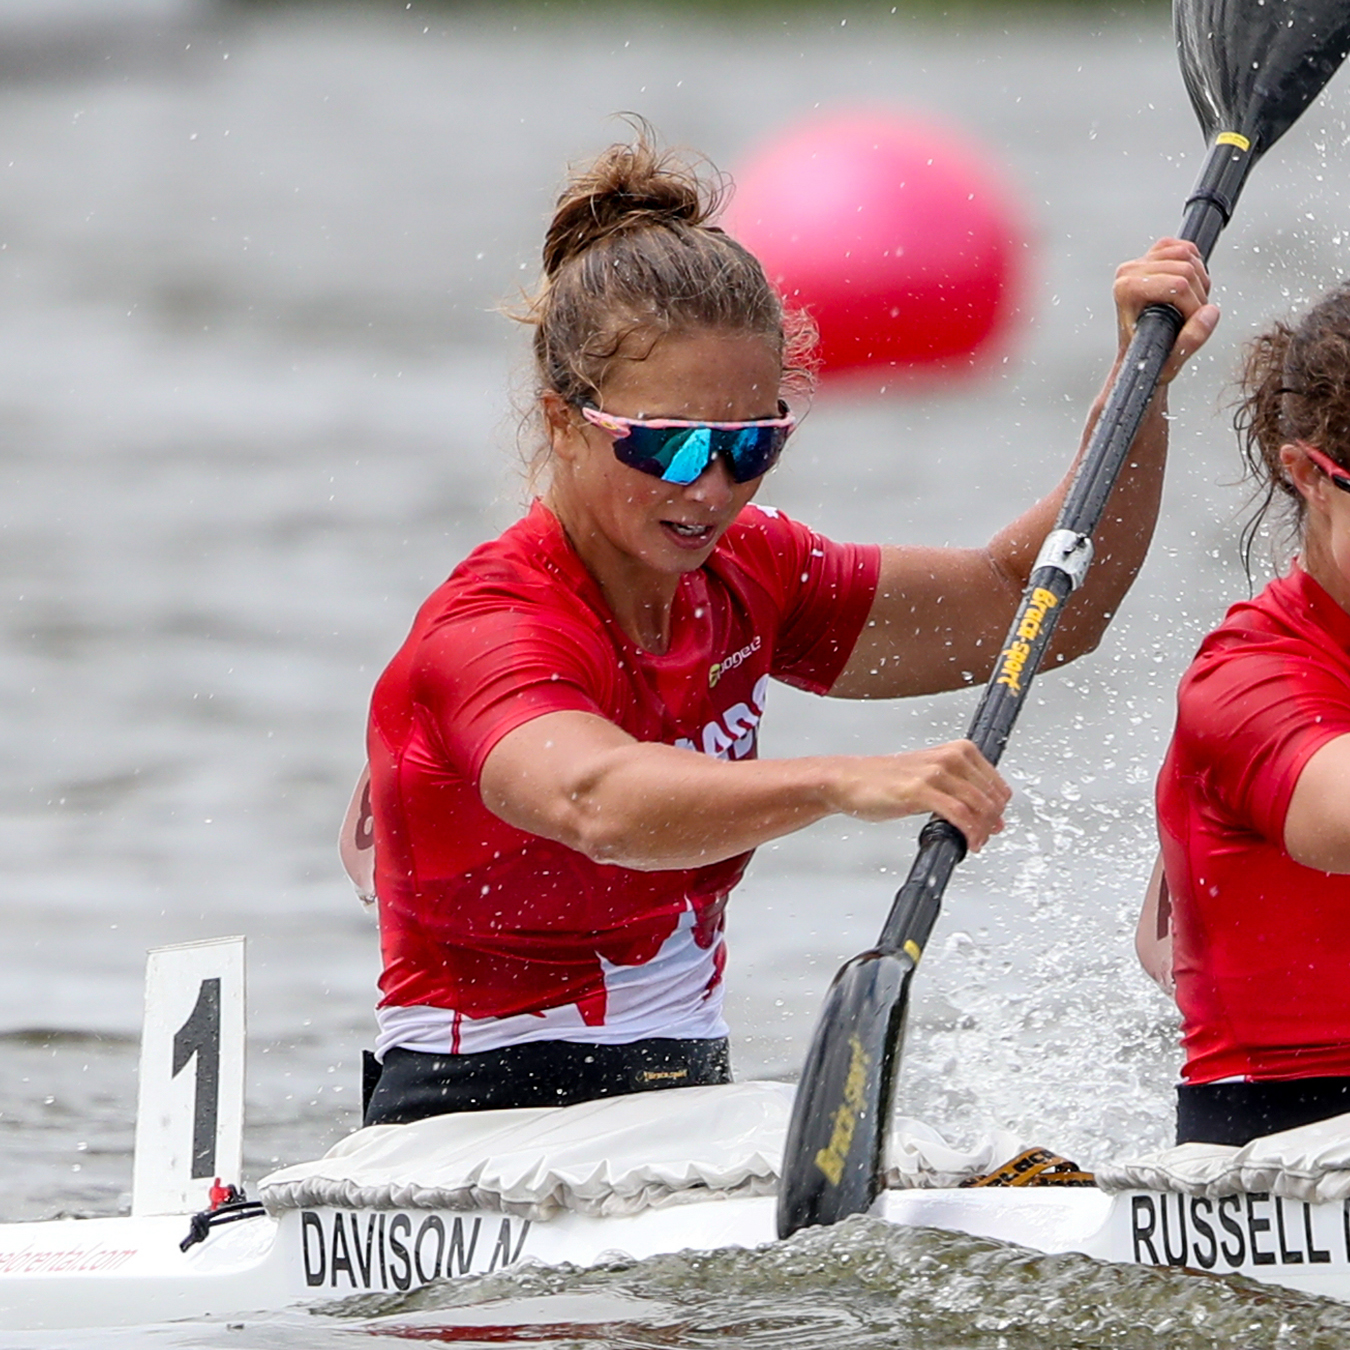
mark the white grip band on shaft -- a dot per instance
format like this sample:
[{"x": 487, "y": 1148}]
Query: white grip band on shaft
[{"x": 1069, "y": 551}]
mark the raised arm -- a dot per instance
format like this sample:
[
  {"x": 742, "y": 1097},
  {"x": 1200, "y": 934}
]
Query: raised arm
[
  {"x": 940, "y": 614},
  {"x": 584, "y": 782}
]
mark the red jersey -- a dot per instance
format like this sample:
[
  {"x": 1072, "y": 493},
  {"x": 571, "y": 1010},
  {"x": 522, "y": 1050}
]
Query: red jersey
[
  {"x": 1261, "y": 944},
  {"x": 492, "y": 935}
]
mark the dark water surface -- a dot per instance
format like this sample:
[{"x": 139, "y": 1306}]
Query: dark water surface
[{"x": 255, "y": 403}]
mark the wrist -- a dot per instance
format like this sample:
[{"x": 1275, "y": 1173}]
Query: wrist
[{"x": 826, "y": 785}]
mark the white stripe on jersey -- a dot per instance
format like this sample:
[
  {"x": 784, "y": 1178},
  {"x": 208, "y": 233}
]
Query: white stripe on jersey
[{"x": 667, "y": 996}]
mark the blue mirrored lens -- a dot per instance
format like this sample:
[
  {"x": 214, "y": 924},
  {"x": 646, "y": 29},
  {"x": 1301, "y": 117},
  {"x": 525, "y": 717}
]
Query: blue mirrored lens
[
  {"x": 680, "y": 454},
  {"x": 686, "y": 454}
]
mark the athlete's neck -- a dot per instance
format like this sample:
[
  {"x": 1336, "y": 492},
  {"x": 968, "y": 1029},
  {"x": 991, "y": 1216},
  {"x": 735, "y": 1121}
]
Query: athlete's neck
[
  {"x": 1319, "y": 560},
  {"x": 639, "y": 597}
]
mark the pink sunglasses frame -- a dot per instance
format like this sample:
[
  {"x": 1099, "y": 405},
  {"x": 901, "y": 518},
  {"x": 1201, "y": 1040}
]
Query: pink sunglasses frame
[{"x": 618, "y": 426}]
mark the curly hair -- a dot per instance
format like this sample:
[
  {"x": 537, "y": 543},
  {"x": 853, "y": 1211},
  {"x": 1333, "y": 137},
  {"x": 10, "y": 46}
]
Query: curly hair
[{"x": 1295, "y": 386}]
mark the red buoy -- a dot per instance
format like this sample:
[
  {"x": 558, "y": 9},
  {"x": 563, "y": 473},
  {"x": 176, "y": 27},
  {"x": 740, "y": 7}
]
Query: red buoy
[{"x": 897, "y": 235}]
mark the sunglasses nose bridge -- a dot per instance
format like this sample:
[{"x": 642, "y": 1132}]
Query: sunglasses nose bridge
[{"x": 716, "y": 481}]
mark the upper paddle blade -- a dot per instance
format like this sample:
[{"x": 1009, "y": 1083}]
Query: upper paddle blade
[
  {"x": 1253, "y": 66},
  {"x": 833, "y": 1157}
]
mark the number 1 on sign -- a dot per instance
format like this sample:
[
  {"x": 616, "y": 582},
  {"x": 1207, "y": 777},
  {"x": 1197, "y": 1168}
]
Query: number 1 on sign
[
  {"x": 199, "y": 1036},
  {"x": 189, "y": 1125}
]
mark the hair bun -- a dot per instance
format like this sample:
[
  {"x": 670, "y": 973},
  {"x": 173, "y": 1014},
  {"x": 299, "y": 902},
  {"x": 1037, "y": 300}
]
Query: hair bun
[
  {"x": 627, "y": 187},
  {"x": 631, "y": 255}
]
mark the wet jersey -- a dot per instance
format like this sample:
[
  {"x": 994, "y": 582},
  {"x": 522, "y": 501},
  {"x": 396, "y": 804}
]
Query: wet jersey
[
  {"x": 493, "y": 936},
  {"x": 1261, "y": 944}
]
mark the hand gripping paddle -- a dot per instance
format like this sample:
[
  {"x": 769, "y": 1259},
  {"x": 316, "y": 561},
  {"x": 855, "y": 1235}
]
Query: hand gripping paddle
[{"x": 1251, "y": 67}]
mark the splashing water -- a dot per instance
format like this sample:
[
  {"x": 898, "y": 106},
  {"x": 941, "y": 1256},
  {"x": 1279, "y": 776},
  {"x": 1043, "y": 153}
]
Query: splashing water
[{"x": 860, "y": 1286}]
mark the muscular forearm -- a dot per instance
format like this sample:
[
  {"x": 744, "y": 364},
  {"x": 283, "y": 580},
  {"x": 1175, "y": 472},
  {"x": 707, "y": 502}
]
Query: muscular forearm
[
  {"x": 580, "y": 780},
  {"x": 940, "y": 615},
  {"x": 1122, "y": 537},
  {"x": 1170, "y": 273},
  {"x": 654, "y": 807}
]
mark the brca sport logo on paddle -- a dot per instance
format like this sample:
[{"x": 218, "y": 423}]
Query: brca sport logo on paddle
[
  {"x": 832, "y": 1157},
  {"x": 720, "y": 668},
  {"x": 1015, "y": 657}
]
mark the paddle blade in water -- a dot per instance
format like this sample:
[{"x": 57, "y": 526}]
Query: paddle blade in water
[
  {"x": 833, "y": 1158},
  {"x": 1253, "y": 66}
]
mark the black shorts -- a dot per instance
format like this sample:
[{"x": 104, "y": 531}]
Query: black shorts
[
  {"x": 412, "y": 1084},
  {"x": 1236, "y": 1113}
]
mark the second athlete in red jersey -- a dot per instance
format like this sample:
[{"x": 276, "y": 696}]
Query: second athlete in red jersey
[{"x": 1261, "y": 943}]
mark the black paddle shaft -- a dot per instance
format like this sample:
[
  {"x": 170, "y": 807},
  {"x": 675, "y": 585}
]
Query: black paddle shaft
[
  {"x": 1068, "y": 550},
  {"x": 1249, "y": 79},
  {"x": 1251, "y": 68},
  {"x": 834, "y": 1152}
]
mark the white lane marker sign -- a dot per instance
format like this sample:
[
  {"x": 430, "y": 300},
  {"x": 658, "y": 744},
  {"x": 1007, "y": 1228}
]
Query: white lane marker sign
[{"x": 190, "y": 1108}]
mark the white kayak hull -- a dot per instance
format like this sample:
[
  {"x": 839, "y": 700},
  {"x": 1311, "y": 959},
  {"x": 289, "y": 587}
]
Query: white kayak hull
[
  {"x": 130, "y": 1271},
  {"x": 392, "y": 1208}
]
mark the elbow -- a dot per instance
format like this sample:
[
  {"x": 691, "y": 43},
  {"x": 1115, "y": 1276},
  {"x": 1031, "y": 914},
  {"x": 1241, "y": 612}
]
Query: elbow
[
  {"x": 570, "y": 818},
  {"x": 1079, "y": 640},
  {"x": 612, "y": 848},
  {"x": 606, "y": 837},
  {"x": 578, "y": 826},
  {"x": 610, "y": 820},
  {"x": 613, "y": 839},
  {"x": 1085, "y": 645},
  {"x": 599, "y": 840},
  {"x": 591, "y": 808},
  {"x": 598, "y": 811},
  {"x": 574, "y": 811}
]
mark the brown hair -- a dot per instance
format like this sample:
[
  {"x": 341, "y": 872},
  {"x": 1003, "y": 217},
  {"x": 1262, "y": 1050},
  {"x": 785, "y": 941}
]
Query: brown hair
[
  {"x": 1295, "y": 386},
  {"x": 631, "y": 253}
]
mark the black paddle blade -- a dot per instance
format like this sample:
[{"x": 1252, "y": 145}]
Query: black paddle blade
[
  {"x": 833, "y": 1159},
  {"x": 1252, "y": 66}
]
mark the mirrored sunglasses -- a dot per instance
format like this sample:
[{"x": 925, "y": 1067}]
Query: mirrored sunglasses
[{"x": 678, "y": 451}]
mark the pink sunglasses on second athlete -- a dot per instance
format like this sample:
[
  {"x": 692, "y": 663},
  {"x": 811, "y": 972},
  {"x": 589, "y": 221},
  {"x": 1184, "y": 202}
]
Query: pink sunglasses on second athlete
[{"x": 1339, "y": 475}]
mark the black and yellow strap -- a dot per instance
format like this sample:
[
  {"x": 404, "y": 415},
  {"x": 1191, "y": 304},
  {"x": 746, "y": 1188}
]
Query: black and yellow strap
[{"x": 1035, "y": 1167}]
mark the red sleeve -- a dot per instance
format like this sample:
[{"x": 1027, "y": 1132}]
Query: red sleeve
[
  {"x": 1253, "y": 716},
  {"x": 823, "y": 592},
  {"x": 491, "y": 668}
]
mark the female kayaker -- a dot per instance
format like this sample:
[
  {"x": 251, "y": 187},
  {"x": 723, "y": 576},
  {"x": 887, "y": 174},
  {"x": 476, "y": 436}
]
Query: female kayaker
[
  {"x": 1248, "y": 913},
  {"x": 563, "y": 784}
]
